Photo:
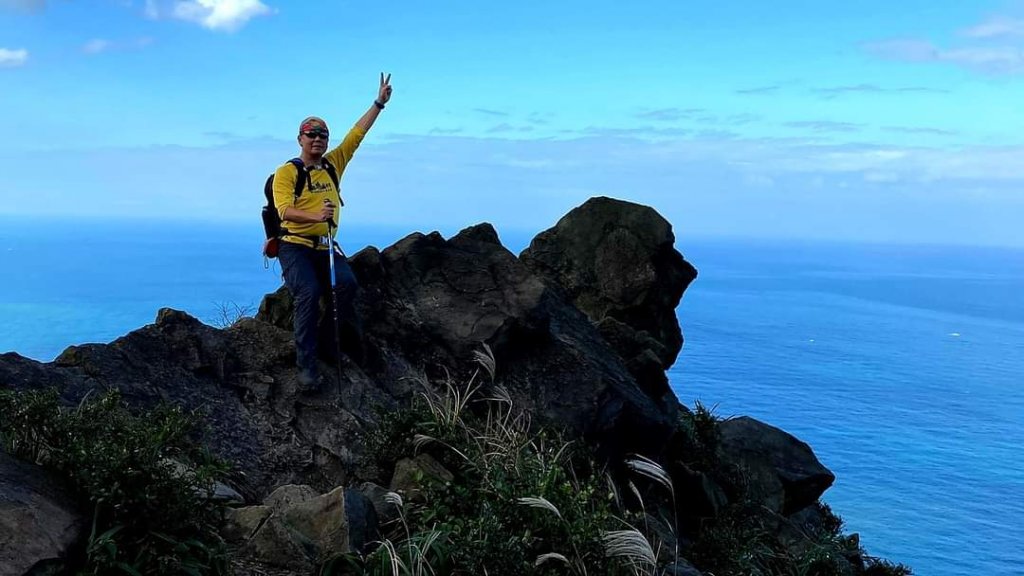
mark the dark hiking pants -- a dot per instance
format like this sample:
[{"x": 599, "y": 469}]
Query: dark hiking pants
[{"x": 307, "y": 274}]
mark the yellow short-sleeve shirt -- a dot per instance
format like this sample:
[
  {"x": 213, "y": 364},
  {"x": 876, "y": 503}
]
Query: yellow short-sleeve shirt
[{"x": 317, "y": 188}]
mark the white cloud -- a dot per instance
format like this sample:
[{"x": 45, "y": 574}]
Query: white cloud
[
  {"x": 758, "y": 181},
  {"x": 995, "y": 27},
  {"x": 992, "y": 46},
  {"x": 997, "y": 59},
  {"x": 13, "y": 58},
  {"x": 220, "y": 15},
  {"x": 989, "y": 59},
  {"x": 904, "y": 49},
  {"x": 836, "y": 91},
  {"x": 96, "y": 45},
  {"x": 881, "y": 177},
  {"x": 23, "y": 5},
  {"x": 100, "y": 45},
  {"x": 702, "y": 185},
  {"x": 914, "y": 164},
  {"x": 825, "y": 126}
]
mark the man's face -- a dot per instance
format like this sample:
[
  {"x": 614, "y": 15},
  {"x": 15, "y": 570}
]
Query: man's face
[
  {"x": 314, "y": 141},
  {"x": 313, "y": 136}
]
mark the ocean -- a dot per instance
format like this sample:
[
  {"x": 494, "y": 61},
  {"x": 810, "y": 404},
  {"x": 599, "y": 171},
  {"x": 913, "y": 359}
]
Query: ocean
[{"x": 900, "y": 365}]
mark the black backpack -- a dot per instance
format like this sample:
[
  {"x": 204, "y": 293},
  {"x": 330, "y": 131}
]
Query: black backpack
[{"x": 271, "y": 220}]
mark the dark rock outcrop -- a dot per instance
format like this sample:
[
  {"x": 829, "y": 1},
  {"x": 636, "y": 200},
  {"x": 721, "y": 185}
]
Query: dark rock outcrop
[
  {"x": 616, "y": 262},
  {"x": 782, "y": 471},
  {"x": 243, "y": 380},
  {"x": 429, "y": 303},
  {"x": 581, "y": 326},
  {"x": 39, "y": 523}
]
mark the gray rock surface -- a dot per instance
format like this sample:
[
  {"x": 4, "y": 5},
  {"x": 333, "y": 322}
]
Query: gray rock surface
[
  {"x": 295, "y": 528},
  {"x": 616, "y": 262},
  {"x": 39, "y": 523},
  {"x": 322, "y": 521}
]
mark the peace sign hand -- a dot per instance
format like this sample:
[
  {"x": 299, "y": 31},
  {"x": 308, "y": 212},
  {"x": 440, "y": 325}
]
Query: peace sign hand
[{"x": 384, "y": 94}]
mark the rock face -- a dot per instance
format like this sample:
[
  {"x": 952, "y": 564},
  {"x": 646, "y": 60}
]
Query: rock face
[
  {"x": 617, "y": 263},
  {"x": 243, "y": 380},
  {"x": 783, "y": 471},
  {"x": 429, "y": 303},
  {"x": 39, "y": 523},
  {"x": 582, "y": 327},
  {"x": 294, "y": 528}
]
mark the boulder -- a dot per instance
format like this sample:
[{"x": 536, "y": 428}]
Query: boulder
[
  {"x": 275, "y": 544},
  {"x": 616, "y": 261},
  {"x": 702, "y": 497},
  {"x": 295, "y": 528},
  {"x": 39, "y": 523},
  {"x": 782, "y": 472},
  {"x": 322, "y": 521},
  {"x": 241, "y": 524},
  {"x": 411, "y": 473},
  {"x": 285, "y": 497},
  {"x": 385, "y": 511}
]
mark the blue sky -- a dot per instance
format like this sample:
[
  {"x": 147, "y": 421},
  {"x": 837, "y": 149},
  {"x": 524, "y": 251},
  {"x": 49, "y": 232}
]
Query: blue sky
[{"x": 870, "y": 120}]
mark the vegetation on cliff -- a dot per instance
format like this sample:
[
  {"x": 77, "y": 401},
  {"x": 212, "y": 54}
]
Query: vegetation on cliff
[
  {"x": 526, "y": 501},
  {"x": 146, "y": 483},
  {"x": 519, "y": 500}
]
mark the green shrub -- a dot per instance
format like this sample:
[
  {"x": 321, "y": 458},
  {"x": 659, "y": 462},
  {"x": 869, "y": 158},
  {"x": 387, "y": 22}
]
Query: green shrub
[
  {"x": 517, "y": 497},
  {"x": 744, "y": 539},
  {"x": 735, "y": 542},
  {"x": 526, "y": 501},
  {"x": 879, "y": 567},
  {"x": 391, "y": 440},
  {"x": 522, "y": 501},
  {"x": 700, "y": 438},
  {"x": 831, "y": 524},
  {"x": 144, "y": 480}
]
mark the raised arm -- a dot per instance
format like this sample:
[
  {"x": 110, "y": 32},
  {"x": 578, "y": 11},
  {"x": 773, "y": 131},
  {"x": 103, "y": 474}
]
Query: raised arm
[{"x": 383, "y": 95}]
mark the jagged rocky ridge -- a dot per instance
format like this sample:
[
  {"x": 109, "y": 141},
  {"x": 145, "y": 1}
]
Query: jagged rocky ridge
[{"x": 582, "y": 326}]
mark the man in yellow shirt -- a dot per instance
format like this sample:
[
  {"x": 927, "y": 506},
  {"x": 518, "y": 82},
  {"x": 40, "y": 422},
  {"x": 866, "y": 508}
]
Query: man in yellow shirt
[{"x": 309, "y": 221}]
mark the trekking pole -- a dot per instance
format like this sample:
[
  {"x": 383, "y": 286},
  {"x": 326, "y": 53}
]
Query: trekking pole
[{"x": 334, "y": 300}]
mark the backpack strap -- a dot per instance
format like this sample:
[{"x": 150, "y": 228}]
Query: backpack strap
[
  {"x": 301, "y": 177},
  {"x": 300, "y": 183},
  {"x": 333, "y": 174}
]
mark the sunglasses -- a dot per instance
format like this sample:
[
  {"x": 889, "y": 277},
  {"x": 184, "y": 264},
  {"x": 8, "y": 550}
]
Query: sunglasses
[{"x": 312, "y": 134}]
